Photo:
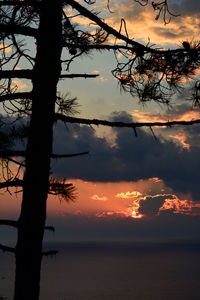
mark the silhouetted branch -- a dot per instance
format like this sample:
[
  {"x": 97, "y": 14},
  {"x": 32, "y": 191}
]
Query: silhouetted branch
[
  {"x": 78, "y": 76},
  {"x": 7, "y": 249},
  {"x": 21, "y": 153},
  {"x": 14, "y": 96},
  {"x": 123, "y": 124},
  {"x": 50, "y": 228},
  {"x": 11, "y": 223},
  {"x": 136, "y": 46},
  {"x": 17, "y": 29},
  {"x": 16, "y": 162},
  {"x": 50, "y": 252},
  {"x": 90, "y": 15},
  {"x": 11, "y": 183},
  {"x": 58, "y": 188},
  {"x": 99, "y": 46},
  {"x": 62, "y": 189},
  {"x": 69, "y": 155},
  {"x": 8, "y": 74}
]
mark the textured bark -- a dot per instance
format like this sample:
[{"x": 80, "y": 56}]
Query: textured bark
[{"x": 31, "y": 223}]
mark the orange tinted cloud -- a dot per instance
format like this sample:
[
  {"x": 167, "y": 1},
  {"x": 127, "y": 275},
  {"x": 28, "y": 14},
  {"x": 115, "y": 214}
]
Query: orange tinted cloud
[
  {"x": 141, "y": 24},
  {"x": 142, "y": 116},
  {"x": 99, "y": 198},
  {"x": 128, "y": 195},
  {"x": 178, "y": 206},
  {"x": 105, "y": 199},
  {"x": 144, "y": 198},
  {"x": 181, "y": 138}
]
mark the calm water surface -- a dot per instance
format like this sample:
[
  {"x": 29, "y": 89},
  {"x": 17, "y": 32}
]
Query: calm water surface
[{"x": 117, "y": 271}]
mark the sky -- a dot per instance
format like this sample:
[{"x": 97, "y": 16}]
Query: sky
[{"x": 127, "y": 187}]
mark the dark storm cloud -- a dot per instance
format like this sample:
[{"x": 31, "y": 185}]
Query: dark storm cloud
[
  {"x": 133, "y": 158},
  {"x": 151, "y": 204}
]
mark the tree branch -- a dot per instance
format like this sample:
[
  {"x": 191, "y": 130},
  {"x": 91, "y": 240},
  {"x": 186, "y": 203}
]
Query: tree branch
[
  {"x": 135, "y": 45},
  {"x": 50, "y": 228},
  {"x": 98, "y": 46},
  {"x": 21, "y": 153},
  {"x": 50, "y": 252},
  {"x": 78, "y": 76},
  {"x": 11, "y": 183},
  {"x": 90, "y": 15},
  {"x": 16, "y": 29},
  {"x": 69, "y": 155},
  {"x": 7, "y": 249},
  {"x": 14, "y": 96},
  {"x": 123, "y": 124},
  {"x": 8, "y": 74},
  {"x": 11, "y": 223}
]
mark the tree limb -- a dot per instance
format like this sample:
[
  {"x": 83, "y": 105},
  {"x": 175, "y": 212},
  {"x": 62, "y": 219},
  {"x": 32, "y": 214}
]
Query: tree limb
[
  {"x": 78, "y": 76},
  {"x": 50, "y": 252},
  {"x": 135, "y": 45},
  {"x": 17, "y": 29},
  {"x": 11, "y": 223},
  {"x": 8, "y": 74},
  {"x": 22, "y": 153},
  {"x": 7, "y": 249},
  {"x": 14, "y": 96},
  {"x": 11, "y": 183},
  {"x": 69, "y": 155},
  {"x": 90, "y": 15},
  {"x": 123, "y": 124},
  {"x": 98, "y": 46},
  {"x": 50, "y": 228}
]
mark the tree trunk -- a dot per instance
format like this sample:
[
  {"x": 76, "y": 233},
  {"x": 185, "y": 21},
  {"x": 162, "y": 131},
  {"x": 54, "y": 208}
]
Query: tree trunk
[{"x": 38, "y": 153}]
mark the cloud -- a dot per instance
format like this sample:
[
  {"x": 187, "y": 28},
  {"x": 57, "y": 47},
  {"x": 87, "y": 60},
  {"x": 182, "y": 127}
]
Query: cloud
[
  {"x": 141, "y": 23},
  {"x": 149, "y": 206},
  {"x": 99, "y": 198},
  {"x": 132, "y": 159},
  {"x": 19, "y": 84},
  {"x": 128, "y": 195}
]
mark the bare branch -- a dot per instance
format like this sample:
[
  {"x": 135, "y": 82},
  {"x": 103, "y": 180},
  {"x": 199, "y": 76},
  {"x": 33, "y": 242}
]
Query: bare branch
[
  {"x": 17, "y": 29},
  {"x": 7, "y": 249},
  {"x": 21, "y": 153},
  {"x": 78, "y": 76},
  {"x": 90, "y": 15},
  {"x": 99, "y": 46},
  {"x": 123, "y": 124},
  {"x": 11, "y": 223},
  {"x": 8, "y": 74},
  {"x": 50, "y": 253},
  {"x": 50, "y": 228},
  {"x": 14, "y": 96},
  {"x": 11, "y": 183},
  {"x": 69, "y": 155}
]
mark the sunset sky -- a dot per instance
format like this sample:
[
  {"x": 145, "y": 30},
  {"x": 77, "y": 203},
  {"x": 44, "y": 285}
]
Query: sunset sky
[{"x": 127, "y": 187}]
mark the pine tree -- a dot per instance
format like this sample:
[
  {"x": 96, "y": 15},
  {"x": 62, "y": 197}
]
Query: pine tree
[{"x": 148, "y": 73}]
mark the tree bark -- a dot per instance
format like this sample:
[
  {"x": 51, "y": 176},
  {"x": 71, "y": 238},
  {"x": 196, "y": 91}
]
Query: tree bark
[{"x": 38, "y": 153}]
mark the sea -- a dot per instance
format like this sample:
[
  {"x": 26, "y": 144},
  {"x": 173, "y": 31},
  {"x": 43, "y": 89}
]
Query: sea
[{"x": 114, "y": 271}]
